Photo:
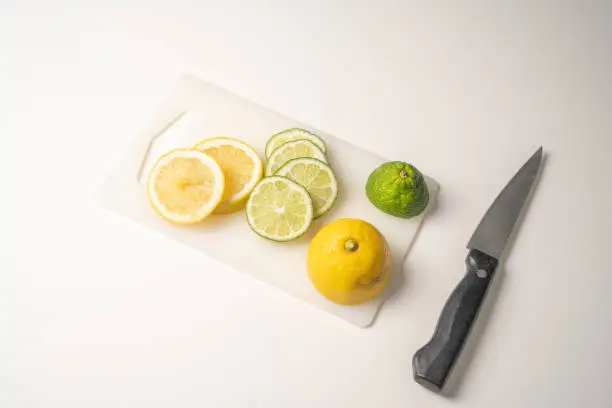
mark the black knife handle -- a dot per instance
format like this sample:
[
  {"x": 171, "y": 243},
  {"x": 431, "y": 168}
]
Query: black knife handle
[{"x": 433, "y": 362}]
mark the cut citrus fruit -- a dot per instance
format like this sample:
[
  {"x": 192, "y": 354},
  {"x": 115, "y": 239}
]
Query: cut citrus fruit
[
  {"x": 185, "y": 186},
  {"x": 241, "y": 166},
  {"x": 279, "y": 209},
  {"x": 318, "y": 179},
  {"x": 289, "y": 135},
  {"x": 293, "y": 150}
]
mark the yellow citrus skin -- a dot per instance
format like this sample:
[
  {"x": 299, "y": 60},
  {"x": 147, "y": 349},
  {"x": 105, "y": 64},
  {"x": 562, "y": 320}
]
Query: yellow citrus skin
[{"x": 349, "y": 262}]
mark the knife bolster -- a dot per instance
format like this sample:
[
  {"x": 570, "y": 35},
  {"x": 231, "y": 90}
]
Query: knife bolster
[{"x": 481, "y": 264}]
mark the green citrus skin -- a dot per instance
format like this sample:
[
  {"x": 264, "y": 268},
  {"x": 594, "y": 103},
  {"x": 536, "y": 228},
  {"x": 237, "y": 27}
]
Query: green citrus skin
[{"x": 398, "y": 189}]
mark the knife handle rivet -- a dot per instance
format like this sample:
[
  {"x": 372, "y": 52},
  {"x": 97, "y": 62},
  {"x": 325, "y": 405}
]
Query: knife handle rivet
[{"x": 481, "y": 273}]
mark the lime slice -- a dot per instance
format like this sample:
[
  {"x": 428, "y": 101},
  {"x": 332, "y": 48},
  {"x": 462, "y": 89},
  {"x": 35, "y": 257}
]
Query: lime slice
[
  {"x": 293, "y": 150},
  {"x": 289, "y": 135},
  {"x": 279, "y": 209},
  {"x": 318, "y": 179}
]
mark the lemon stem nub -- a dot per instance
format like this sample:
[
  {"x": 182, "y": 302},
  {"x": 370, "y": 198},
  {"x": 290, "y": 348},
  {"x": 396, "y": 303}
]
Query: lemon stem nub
[
  {"x": 351, "y": 245},
  {"x": 403, "y": 174}
]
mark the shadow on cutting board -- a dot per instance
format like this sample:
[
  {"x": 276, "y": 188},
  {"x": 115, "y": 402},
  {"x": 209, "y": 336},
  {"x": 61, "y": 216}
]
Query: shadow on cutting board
[{"x": 401, "y": 271}]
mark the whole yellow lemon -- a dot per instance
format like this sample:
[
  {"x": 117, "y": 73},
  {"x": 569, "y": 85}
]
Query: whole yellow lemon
[{"x": 349, "y": 262}]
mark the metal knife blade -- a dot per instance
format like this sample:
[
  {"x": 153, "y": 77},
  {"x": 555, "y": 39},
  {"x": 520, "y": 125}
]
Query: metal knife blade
[{"x": 495, "y": 228}]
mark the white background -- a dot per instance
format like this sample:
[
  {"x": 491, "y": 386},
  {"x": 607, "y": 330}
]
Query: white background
[{"x": 97, "y": 312}]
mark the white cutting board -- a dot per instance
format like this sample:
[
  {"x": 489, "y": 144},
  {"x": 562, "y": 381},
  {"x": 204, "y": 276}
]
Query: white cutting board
[{"x": 196, "y": 110}]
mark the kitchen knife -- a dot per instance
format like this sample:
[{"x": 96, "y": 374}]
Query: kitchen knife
[{"x": 433, "y": 362}]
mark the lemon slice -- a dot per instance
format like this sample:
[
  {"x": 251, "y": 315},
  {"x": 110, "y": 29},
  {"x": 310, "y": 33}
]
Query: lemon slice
[
  {"x": 279, "y": 209},
  {"x": 289, "y": 135},
  {"x": 241, "y": 166},
  {"x": 318, "y": 179},
  {"x": 293, "y": 150},
  {"x": 185, "y": 186}
]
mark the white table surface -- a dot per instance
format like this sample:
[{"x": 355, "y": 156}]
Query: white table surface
[{"x": 98, "y": 312}]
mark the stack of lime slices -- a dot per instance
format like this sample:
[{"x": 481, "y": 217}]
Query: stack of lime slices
[{"x": 299, "y": 186}]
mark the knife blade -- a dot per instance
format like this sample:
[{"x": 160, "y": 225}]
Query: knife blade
[{"x": 433, "y": 362}]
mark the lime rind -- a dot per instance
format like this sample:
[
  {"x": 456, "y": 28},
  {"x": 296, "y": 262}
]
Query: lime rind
[
  {"x": 289, "y": 135},
  {"x": 293, "y": 150},
  {"x": 309, "y": 181},
  {"x": 398, "y": 189},
  {"x": 289, "y": 194}
]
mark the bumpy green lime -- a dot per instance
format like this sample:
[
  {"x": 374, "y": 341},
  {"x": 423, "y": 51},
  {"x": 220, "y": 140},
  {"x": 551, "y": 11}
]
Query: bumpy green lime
[{"x": 399, "y": 189}]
